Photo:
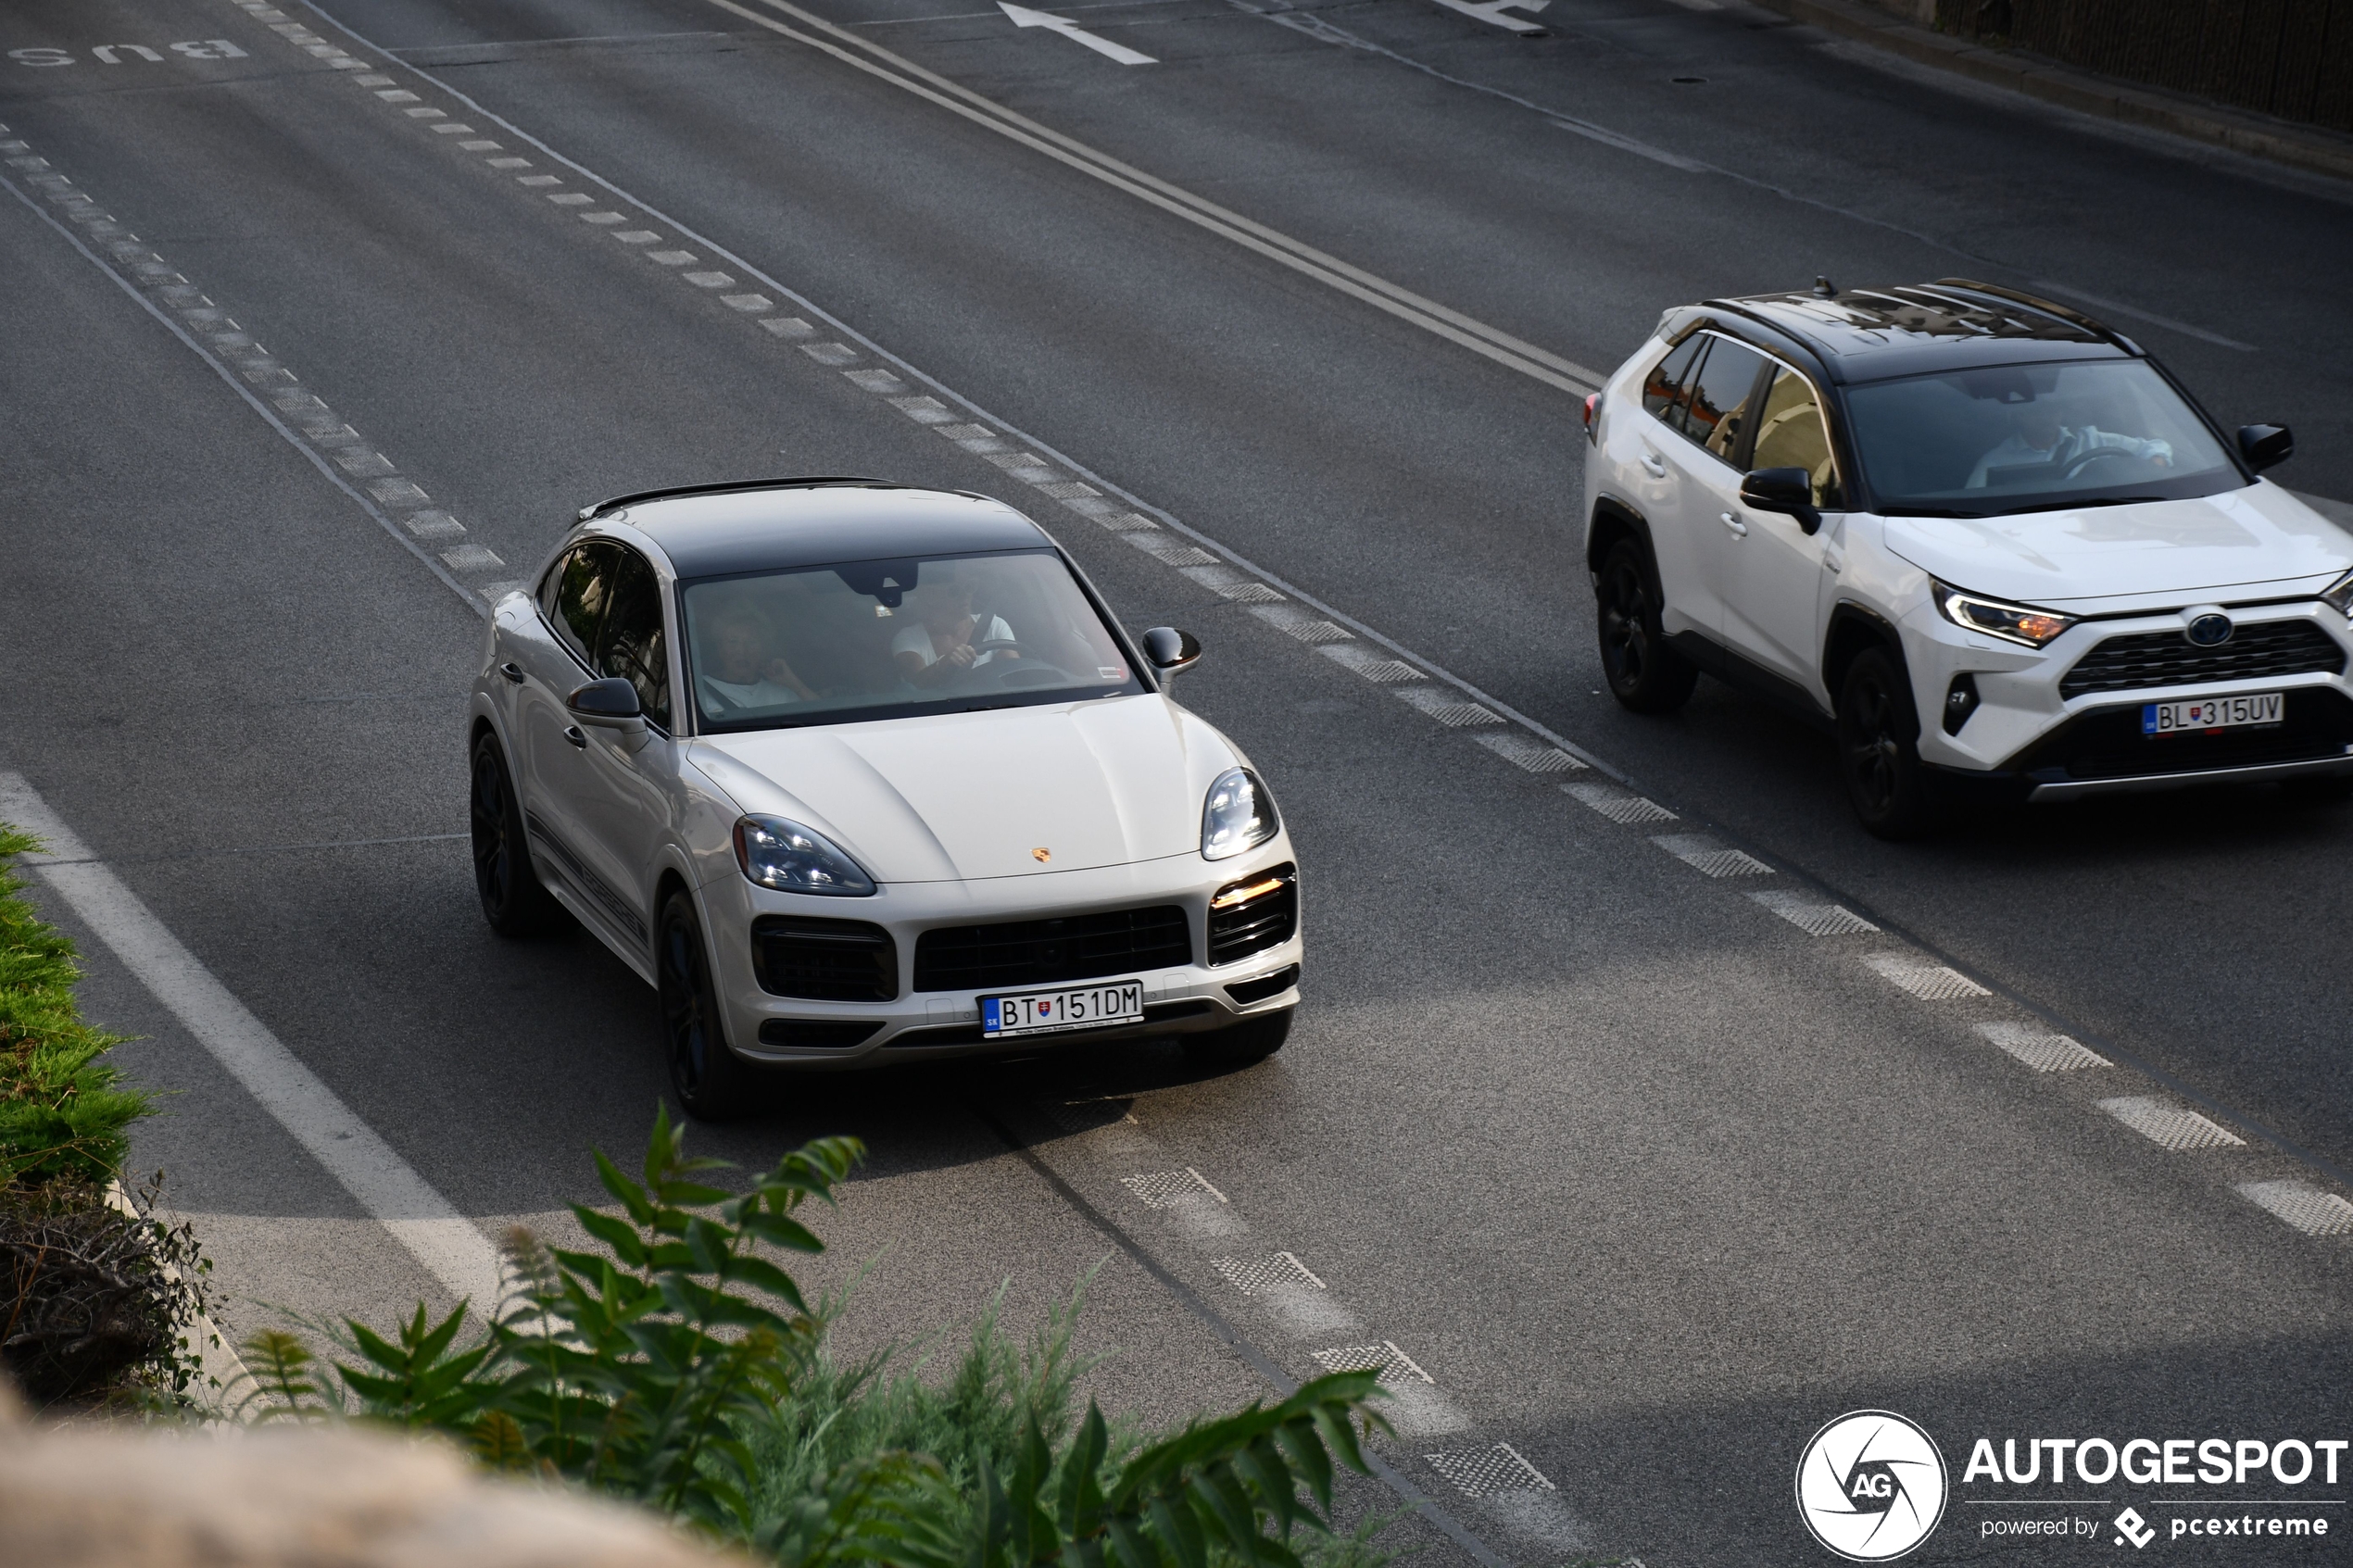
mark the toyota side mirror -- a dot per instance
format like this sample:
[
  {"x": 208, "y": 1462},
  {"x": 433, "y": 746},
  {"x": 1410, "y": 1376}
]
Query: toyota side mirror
[
  {"x": 2266, "y": 446},
  {"x": 1787, "y": 491},
  {"x": 611, "y": 702},
  {"x": 1171, "y": 650}
]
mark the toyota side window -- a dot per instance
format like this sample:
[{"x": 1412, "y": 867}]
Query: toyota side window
[
  {"x": 1792, "y": 433},
  {"x": 1665, "y": 383},
  {"x": 1716, "y": 412},
  {"x": 630, "y": 643},
  {"x": 584, "y": 584}
]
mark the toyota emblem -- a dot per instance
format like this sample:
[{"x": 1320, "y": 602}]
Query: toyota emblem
[{"x": 2210, "y": 631}]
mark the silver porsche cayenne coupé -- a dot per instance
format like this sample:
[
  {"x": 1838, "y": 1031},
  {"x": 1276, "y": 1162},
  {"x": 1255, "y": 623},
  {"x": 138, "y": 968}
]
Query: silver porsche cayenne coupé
[{"x": 852, "y": 772}]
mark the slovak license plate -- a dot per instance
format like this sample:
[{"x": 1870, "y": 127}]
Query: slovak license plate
[
  {"x": 2243, "y": 711},
  {"x": 1047, "y": 1012}
]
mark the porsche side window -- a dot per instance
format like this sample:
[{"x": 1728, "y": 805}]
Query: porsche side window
[
  {"x": 584, "y": 583},
  {"x": 1665, "y": 384},
  {"x": 630, "y": 643},
  {"x": 1790, "y": 434},
  {"x": 1717, "y": 411}
]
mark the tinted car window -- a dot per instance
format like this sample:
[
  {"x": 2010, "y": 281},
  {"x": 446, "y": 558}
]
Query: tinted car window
[
  {"x": 1790, "y": 434},
  {"x": 2017, "y": 438},
  {"x": 885, "y": 639},
  {"x": 1665, "y": 384},
  {"x": 629, "y": 643},
  {"x": 1717, "y": 411},
  {"x": 583, "y": 585}
]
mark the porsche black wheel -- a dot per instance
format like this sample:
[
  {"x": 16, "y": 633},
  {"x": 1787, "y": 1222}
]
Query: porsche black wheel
[
  {"x": 513, "y": 901},
  {"x": 712, "y": 1083}
]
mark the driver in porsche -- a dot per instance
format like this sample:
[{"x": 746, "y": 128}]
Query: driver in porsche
[
  {"x": 2038, "y": 438},
  {"x": 948, "y": 638}
]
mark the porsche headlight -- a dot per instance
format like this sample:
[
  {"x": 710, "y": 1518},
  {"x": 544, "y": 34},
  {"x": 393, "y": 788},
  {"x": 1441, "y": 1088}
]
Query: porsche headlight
[
  {"x": 2339, "y": 595},
  {"x": 1238, "y": 815},
  {"x": 774, "y": 852},
  {"x": 2012, "y": 623}
]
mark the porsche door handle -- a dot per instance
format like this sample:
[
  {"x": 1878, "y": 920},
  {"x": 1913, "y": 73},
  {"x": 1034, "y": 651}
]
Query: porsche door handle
[
  {"x": 1740, "y": 529},
  {"x": 512, "y": 671},
  {"x": 573, "y": 734},
  {"x": 1657, "y": 465}
]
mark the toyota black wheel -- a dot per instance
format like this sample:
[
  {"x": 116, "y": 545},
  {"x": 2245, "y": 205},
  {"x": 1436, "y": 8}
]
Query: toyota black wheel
[
  {"x": 711, "y": 1083},
  {"x": 512, "y": 900},
  {"x": 1879, "y": 734},
  {"x": 1643, "y": 672}
]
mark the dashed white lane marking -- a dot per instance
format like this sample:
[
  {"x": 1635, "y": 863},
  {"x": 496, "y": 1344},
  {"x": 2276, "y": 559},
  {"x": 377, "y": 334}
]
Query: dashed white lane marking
[
  {"x": 2041, "y": 1049},
  {"x": 1520, "y": 750},
  {"x": 709, "y": 280},
  {"x": 671, "y": 258},
  {"x": 1486, "y": 1472},
  {"x": 881, "y": 381},
  {"x": 1232, "y": 582},
  {"x": 1923, "y": 976},
  {"x": 1711, "y": 856},
  {"x": 2302, "y": 1205},
  {"x": 1444, "y": 706},
  {"x": 1257, "y": 1276},
  {"x": 1621, "y": 806},
  {"x": 1167, "y": 548},
  {"x": 1373, "y": 666},
  {"x": 2168, "y": 1125},
  {"x": 1394, "y": 1364},
  {"x": 829, "y": 353},
  {"x": 788, "y": 327},
  {"x": 452, "y": 1248},
  {"x": 1812, "y": 915},
  {"x": 273, "y": 390},
  {"x": 1304, "y": 624},
  {"x": 1166, "y": 1190}
]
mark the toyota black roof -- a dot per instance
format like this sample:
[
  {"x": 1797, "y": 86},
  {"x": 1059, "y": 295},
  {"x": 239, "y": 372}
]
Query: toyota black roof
[
  {"x": 1954, "y": 323},
  {"x": 778, "y": 524}
]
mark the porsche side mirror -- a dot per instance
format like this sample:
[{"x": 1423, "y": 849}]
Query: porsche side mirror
[
  {"x": 1787, "y": 491},
  {"x": 2266, "y": 446},
  {"x": 1171, "y": 650},
  {"x": 611, "y": 702}
]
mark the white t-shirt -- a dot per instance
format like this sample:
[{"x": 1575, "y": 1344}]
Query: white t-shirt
[
  {"x": 762, "y": 692},
  {"x": 916, "y": 640},
  {"x": 2072, "y": 445}
]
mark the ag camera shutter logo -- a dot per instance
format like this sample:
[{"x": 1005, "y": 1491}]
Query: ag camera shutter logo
[{"x": 1870, "y": 1486}]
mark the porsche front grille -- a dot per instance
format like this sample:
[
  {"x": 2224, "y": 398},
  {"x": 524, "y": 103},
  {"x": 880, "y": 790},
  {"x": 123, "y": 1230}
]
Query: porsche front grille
[
  {"x": 1039, "y": 952},
  {"x": 2141, "y": 660}
]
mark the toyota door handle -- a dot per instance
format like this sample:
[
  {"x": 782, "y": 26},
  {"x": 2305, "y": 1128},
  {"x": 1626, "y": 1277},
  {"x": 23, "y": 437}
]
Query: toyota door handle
[
  {"x": 572, "y": 732},
  {"x": 1740, "y": 529},
  {"x": 1658, "y": 466},
  {"x": 512, "y": 671}
]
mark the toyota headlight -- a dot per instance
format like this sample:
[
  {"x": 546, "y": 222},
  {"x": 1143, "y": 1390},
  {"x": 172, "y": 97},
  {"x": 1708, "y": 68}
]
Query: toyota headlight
[
  {"x": 1238, "y": 815},
  {"x": 2339, "y": 595},
  {"x": 2012, "y": 623},
  {"x": 780, "y": 854}
]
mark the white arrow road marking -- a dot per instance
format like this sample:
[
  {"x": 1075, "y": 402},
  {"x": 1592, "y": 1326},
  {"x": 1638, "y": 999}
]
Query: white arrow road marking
[
  {"x": 1492, "y": 12},
  {"x": 1022, "y": 16}
]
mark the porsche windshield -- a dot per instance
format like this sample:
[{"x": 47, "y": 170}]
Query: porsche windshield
[
  {"x": 2022, "y": 438},
  {"x": 882, "y": 639}
]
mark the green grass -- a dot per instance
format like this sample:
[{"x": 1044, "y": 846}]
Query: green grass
[{"x": 64, "y": 1112}]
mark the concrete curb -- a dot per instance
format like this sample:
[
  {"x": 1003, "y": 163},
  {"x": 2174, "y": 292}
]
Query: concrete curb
[{"x": 2257, "y": 135}]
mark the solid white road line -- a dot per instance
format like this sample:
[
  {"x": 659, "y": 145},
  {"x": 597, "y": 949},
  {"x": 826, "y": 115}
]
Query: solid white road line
[{"x": 449, "y": 1246}]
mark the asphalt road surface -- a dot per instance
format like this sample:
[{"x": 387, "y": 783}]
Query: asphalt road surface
[{"x": 1644, "y": 1114}]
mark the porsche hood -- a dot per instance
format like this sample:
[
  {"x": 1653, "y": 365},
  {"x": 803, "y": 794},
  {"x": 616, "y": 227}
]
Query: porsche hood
[{"x": 1010, "y": 792}]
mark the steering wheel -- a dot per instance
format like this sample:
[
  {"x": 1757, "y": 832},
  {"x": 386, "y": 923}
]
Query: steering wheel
[{"x": 2083, "y": 460}]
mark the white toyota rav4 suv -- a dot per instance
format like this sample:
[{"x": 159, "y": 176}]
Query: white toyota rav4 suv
[{"x": 1988, "y": 541}]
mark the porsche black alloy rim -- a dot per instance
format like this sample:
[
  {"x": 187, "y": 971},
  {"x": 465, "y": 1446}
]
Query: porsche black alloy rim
[
  {"x": 493, "y": 831},
  {"x": 1872, "y": 748},
  {"x": 1626, "y": 641},
  {"x": 684, "y": 1008}
]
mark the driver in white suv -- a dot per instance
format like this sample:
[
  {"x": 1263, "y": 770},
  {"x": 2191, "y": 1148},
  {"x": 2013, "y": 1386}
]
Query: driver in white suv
[{"x": 2039, "y": 440}]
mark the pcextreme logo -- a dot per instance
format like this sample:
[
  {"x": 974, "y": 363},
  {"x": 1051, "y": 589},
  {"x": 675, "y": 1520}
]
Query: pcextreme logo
[{"x": 1870, "y": 1486}]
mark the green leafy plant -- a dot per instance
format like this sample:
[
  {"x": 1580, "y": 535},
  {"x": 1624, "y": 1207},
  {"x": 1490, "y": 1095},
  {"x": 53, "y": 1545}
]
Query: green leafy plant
[
  {"x": 656, "y": 1369},
  {"x": 63, "y": 1111}
]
